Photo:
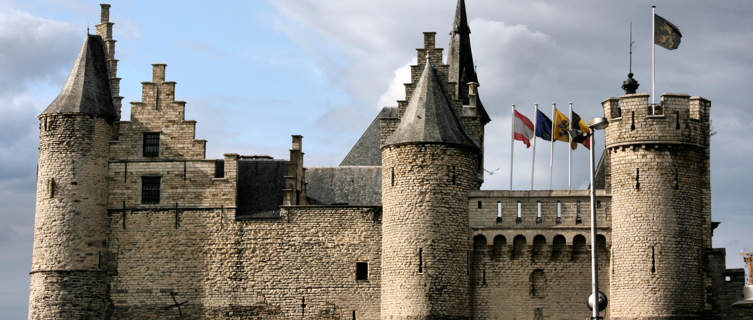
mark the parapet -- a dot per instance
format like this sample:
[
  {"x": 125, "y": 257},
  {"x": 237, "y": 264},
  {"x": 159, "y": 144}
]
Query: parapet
[{"x": 678, "y": 119}]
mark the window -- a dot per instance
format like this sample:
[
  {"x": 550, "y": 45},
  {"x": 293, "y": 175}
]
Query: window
[
  {"x": 151, "y": 144},
  {"x": 479, "y": 204},
  {"x": 559, "y": 212},
  {"x": 519, "y": 218},
  {"x": 362, "y": 271},
  {"x": 538, "y": 213},
  {"x": 150, "y": 186},
  {"x": 499, "y": 211},
  {"x": 219, "y": 168},
  {"x": 420, "y": 260},
  {"x": 578, "y": 217}
]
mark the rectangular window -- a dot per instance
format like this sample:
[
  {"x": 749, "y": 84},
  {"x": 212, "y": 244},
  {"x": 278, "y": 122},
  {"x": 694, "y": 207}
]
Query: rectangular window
[
  {"x": 479, "y": 204},
  {"x": 420, "y": 260},
  {"x": 362, "y": 271},
  {"x": 151, "y": 144},
  {"x": 499, "y": 211},
  {"x": 578, "y": 217},
  {"x": 150, "y": 189},
  {"x": 559, "y": 212},
  {"x": 219, "y": 168},
  {"x": 538, "y": 212},
  {"x": 519, "y": 218}
]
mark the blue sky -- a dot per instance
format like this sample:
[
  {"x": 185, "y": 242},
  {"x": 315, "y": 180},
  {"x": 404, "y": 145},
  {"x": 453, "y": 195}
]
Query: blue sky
[{"x": 254, "y": 72}]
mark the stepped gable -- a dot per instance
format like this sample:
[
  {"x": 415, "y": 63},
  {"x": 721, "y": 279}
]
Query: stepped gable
[
  {"x": 366, "y": 150},
  {"x": 430, "y": 115},
  {"x": 87, "y": 89},
  {"x": 460, "y": 59}
]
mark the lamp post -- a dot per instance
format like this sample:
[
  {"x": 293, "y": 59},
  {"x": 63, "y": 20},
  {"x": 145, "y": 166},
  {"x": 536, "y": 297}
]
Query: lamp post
[{"x": 596, "y": 301}]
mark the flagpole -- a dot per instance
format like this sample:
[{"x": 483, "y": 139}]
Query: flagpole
[
  {"x": 570, "y": 151},
  {"x": 512, "y": 141},
  {"x": 653, "y": 54},
  {"x": 533, "y": 157},
  {"x": 551, "y": 147}
]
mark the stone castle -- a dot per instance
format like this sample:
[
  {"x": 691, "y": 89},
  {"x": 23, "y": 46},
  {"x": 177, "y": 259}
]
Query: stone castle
[{"x": 133, "y": 222}]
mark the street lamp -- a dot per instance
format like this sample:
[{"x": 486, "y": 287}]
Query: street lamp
[{"x": 600, "y": 303}]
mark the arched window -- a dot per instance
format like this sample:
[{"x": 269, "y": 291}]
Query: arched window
[
  {"x": 601, "y": 245},
  {"x": 558, "y": 247},
  {"x": 479, "y": 244},
  {"x": 499, "y": 246},
  {"x": 538, "y": 283},
  {"x": 518, "y": 246},
  {"x": 579, "y": 247},
  {"x": 539, "y": 248}
]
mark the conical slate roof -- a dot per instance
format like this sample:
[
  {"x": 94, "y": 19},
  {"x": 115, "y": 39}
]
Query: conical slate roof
[
  {"x": 430, "y": 115},
  {"x": 87, "y": 89}
]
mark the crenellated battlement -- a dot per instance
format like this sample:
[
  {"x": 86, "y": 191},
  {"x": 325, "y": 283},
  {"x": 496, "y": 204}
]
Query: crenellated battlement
[{"x": 677, "y": 119}]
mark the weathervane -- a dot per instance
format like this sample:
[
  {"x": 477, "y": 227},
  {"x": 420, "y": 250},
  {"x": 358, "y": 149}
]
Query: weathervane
[{"x": 630, "y": 84}]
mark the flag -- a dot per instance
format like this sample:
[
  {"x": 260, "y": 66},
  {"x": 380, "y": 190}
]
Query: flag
[
  {"x": 522, "y": 128},
  {"x": 560, "y": 126},
  {"x": 543, "y": 126},
  {"x": 579, "y": 131},
  {"x": 666, "y": 34}
]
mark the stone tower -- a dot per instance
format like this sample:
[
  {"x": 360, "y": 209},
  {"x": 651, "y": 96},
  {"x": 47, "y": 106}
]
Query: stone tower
[
  {"x": 659, "y": 157},
  {"x": 428, "y": 167},
  {"x": 69, "y": 274}
]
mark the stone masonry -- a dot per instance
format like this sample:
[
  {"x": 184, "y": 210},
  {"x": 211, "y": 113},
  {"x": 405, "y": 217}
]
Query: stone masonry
[{"x": 134, "y": 222}]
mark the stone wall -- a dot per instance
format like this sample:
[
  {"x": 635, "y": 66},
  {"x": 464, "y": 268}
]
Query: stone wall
[
  {"x": 661, "y": 215},
  {"x": 70, "y": 228},
  {"x": 228, "y": 269},
  {"x": 534, "y": 278},
  {"x": 426, "y": 236}
]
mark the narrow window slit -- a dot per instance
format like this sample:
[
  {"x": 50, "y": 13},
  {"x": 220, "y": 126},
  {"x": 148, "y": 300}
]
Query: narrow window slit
[
  {"x": 483, "y": 276},
  {"x": 677, "y": 179},
  {"x": 632, "y": 120},
  {"x": 392, "y": 176},
  {"x": 499, "y": 211},
  {"x": 454, "y": 176},
  {"x": 578, "y": 216},
  {"x": 538, "y": 212},
  {"x": 51, "y": 186},
  {"x": 420, "y": 260},
  {"x": 519, "y": 217},
  {"x": 677, "y": 122},
  {"x": 637, "y": 178},
  {"x": 653, "y": 261}
]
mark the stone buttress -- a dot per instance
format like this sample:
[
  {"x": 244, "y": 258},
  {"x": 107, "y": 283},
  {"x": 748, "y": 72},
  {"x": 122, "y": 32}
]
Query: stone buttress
[
  {"x": 428, "y": 166},
  {"x": 659, "y": 157},
  {"x": 69, "y": 274}
]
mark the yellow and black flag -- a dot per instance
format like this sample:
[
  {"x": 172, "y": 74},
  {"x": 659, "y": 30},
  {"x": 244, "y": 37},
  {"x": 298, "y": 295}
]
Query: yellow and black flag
[
  {"x": 560, "y": 127},
  {"x": 666, "y": 34}
]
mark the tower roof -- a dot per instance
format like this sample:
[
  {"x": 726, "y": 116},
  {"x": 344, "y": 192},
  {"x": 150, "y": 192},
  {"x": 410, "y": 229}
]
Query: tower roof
[
  {"x": 87, "y": 89},
  {"x": 460, "y": 59},
  {"x": 430, "y": 115}
]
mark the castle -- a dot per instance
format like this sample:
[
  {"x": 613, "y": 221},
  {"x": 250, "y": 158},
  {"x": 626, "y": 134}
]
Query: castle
[{"x": 133, "y": 222}]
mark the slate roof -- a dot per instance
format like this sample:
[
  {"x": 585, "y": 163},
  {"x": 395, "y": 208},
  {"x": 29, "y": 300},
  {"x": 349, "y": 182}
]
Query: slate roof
[
  {"x": 600, "y": 179},
  {"x": 430, "y": 115},
  {"x": 260, "y": 184},
  {"x": 87, "y": 89},
  {"x": 367, "y": 150},
  {"x": 460, "y": 60},
  {"x": 352, "y": 185}
]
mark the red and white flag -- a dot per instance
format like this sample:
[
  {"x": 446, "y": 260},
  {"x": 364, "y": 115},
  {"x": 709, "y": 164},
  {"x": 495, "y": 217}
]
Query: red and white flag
[{"x": 522, "y": 128}]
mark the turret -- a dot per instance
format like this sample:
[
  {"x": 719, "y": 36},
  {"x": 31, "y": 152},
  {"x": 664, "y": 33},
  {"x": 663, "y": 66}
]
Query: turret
[
  {"x": 464, "y": 81},
  {"x": 659, "y": 158},
  {"x": 429, "y": 164},
  {"x": 69, "y": 274}
]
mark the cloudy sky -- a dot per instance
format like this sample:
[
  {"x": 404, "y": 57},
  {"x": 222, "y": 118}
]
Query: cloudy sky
[{"x": 254, "y": 73}]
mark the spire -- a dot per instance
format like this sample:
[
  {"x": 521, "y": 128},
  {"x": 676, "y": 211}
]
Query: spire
[
  {"x": 87, "y": 89},
  {"x": 460, "y": 59},
  {"x": 430, "y": 115}
]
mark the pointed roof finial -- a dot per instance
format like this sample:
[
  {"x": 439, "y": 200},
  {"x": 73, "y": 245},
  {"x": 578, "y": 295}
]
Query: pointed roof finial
[
  {"x": 461, "y": 19},
  {"x": 87, "y": 29}
]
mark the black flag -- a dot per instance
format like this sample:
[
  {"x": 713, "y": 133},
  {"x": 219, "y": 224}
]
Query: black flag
[{"x": 666, "y": 34}]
